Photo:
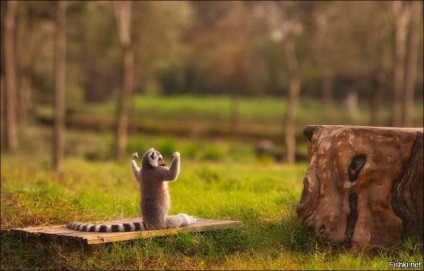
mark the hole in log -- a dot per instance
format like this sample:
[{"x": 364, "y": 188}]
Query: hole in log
[
  {"x": 305, "y": 189},
  {"x": 309, "y": 131},
  {"x": 351, "y": 220},
  {"x": 355, "y": 167}
]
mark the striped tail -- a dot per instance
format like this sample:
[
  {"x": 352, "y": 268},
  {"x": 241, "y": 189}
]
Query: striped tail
[{"x": 122, "y": 227}]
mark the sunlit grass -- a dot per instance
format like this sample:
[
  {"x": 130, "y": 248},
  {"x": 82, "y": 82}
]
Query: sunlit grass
[{"x": 232, "y": 185}]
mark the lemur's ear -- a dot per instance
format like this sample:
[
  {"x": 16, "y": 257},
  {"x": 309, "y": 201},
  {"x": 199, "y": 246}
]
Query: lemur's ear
[{"x": 153, "y": 158}]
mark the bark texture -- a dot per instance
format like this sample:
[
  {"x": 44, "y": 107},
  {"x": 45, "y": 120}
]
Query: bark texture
[{"x": 364, "y": 185}]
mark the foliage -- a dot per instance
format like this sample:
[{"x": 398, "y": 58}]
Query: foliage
[
  {"x": 181, "y": 47},
  {"x": 262, "y": 195}
]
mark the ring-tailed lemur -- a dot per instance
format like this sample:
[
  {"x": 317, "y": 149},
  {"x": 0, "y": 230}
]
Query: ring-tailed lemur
[{"x": 155, "y": 199}]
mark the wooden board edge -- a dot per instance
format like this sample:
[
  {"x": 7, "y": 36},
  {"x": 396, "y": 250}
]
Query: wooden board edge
[
  {"x": 68, "y": 236},
  {"x": 95, "y": 239},
  {"x": 159, "y": 233}
]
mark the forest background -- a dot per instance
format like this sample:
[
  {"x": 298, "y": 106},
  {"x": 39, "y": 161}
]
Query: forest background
[
  {"x": 86, "y": 83},
  {"x": 351, "y": 57}
]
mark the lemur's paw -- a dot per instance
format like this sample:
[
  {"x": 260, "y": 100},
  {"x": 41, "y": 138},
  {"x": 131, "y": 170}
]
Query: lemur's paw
[
  {"x": 176, "y": 154},
  {"x": 134, "y": 155}
]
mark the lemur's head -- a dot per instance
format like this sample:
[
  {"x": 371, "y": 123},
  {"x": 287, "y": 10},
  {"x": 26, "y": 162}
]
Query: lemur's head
[{"x": 153, "y": 158}]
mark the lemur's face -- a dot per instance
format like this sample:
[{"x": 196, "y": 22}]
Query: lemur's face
[{"x": 155, "y": 158}]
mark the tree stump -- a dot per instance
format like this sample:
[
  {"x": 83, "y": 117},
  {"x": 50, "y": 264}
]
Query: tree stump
[{"x": 364, "y": 185}]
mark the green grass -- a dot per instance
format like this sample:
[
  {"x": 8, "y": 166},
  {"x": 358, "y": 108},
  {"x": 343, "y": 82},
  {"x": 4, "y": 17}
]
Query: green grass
[
  {"x": 215, "y": 182},
  {"x": 258, "y": 110},
  {"x": 259, "y": 117}
]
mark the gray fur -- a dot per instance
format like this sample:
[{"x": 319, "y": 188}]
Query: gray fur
[
  {"x": 155, "y": 199},
  {"x": 153, "y": 178}
]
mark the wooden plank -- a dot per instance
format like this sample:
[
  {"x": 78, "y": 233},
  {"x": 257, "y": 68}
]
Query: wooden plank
[{"x": 92, "y": 238}]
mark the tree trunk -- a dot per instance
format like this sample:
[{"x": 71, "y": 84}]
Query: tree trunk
[
  {"x": 27, "y": 46},
  {"x": 60, "y": 79},
  {"x": 122, "y": 11},
  {"x": 235, "y": 99},
  {"x": 10, "y": 95},
  {"x": 412, "y": 63},
  {"x": 402, "y": 20},
  {"x": 294, "y": 90}
]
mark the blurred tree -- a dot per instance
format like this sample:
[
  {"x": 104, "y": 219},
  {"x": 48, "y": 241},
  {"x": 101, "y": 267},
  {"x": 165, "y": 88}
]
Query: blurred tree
[
  {"x": 227, "y": 39},
  {"x": 324, "y": 55},
  {"x": 10, "y": 95},
  {"x": 401, "y": 21},
  {"x": 294, "y": 90},
  {"x": 352, "y": 41},
  {"x": 237, "y": 71},
  {"x": 35, "y": 55},
  {"x": 404, "y": 72},
  {"x": 122, "y": 11},
  {"x": 32, "y": 37},
  {"x": 291, "y": 25},
  {"x": 60, "y": 87},
  {"x": 412, "y": 62},
  {"x": 25, "y": 39},
  {"x": 228, "y": 42},
  {"x": 376, "y": 54},
  {"x": 97, "y": 50},
  {"x": 327, "y": 71},
  {"x": 161, "y": 46}
]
